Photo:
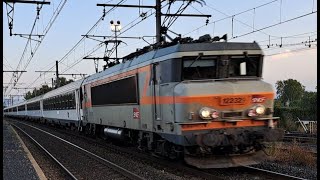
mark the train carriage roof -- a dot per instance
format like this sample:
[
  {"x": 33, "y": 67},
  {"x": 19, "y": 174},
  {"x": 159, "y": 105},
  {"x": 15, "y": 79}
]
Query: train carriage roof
[
  {"x": 64, "y": 89},
  {"x": 35, "y": 99},
  {"x": 176, "y": 51}
]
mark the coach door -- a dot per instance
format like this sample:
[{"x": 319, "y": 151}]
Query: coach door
[
  {"x": 79, "y": 104},
  {"x": 85, "y": 108}
]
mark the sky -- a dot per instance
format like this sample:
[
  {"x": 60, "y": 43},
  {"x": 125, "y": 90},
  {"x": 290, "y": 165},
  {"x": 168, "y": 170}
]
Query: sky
[{"x": 268, "y": 18}]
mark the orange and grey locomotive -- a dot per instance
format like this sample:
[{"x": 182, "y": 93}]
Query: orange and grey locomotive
[{"x": 205, "y": 102}]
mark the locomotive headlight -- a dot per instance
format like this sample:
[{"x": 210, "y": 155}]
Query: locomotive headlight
[
  {"x": 256, "y": 111},
  {"x": 205, "y": 113},
  {"x": 208, "y": 113},
  {"x": 260, "y": 110}
]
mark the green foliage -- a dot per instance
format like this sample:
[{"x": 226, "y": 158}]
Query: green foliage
[
  {"x": 289, "y": 91},
  {"x": 63, "y": 81},
  {"x": 303, "y": 104},
  {"x": 45, "y": 88}
]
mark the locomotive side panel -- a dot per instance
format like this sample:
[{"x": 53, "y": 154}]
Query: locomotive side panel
[
  {"x": 146, "y": 110},
  {"x": 115, "y": 100}
]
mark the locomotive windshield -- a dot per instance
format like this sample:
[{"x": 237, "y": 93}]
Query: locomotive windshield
[
  {"x": 221, "y": 67},
  {"x": 204, "y": 68}
]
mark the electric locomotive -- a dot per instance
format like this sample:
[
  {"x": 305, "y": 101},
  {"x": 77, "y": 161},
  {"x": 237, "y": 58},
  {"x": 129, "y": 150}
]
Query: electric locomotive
[
  {"x": 204, "y": 101},
  {"x": 200, "y": 100}
]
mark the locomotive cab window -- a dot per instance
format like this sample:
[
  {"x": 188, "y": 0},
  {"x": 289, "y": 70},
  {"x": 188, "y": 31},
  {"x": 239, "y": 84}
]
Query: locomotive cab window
[
  {"x": 199, "y": 68},
  {"x": 240, "y": 66}
]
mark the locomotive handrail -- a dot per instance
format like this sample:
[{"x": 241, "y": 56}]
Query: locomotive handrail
[
  {"x": 206, "y": 122},
  {"x": 266, "y": 118},
  {"x": 222, "y": 79}
]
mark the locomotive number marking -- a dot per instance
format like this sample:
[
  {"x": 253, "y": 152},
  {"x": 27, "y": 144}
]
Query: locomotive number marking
[{"x": 232, "y": 100}]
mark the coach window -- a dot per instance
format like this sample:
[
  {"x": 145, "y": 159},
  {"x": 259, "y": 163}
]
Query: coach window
[
  {"x": 69, "y": 99},
  {"x": 59, "y": 102},
  {"x": 73, "y": 101},
  {"x": 54, "y": 103},
  {"x": 63, "y": 102}
]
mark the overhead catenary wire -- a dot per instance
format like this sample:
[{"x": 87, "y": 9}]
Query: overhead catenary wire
[
  {"x": 7, "y": 62},
  {"x": 312, "y": 33},
  {"x": 77, "y": 44},
  {"x": 231, "y": 16},
  {"x": 292, "y": 19},
  {"x": 254, "y": 9},
  {"x": 46, "y": 30},
  {"x": 71, "y": 67},
  {"x": 97, "y": 47},
  {"x": 26, "y": 46},
  {"x": 292, "y": 51}
]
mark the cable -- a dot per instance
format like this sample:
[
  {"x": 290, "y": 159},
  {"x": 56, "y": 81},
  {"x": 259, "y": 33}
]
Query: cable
[
  {"x": 8, "y": 62},
  {"x": 77, "y": 44},
  {"x": 292, "y": 36},
  {"x": 52, "y": 20},
  {"x": 232, "y": 16},
  {"x": 292, "y": 19},
  {"x": 293, "y": 51},
  {"x": 237, "y": 19},
  {"x": 94, "y": 49}
]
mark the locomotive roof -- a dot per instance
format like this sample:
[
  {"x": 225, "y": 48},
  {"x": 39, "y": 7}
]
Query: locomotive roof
[
  {"x": 156, "y": 55},
  {"x": 177, "y": 51}
]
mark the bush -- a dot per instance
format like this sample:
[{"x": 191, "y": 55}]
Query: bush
[{"x": 292, "y": 154}]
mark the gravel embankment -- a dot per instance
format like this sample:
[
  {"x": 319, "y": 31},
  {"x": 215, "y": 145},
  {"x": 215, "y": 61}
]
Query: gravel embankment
[
  {"x": 146, "y": 171},
  {"x": 152, "y": 170},
  {"x": 297, "y": 171}
]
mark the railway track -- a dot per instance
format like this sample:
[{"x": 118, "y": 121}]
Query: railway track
[
  {"x": 270, "y": 174},
  {"x": 178, "y": 167},
  {"x": 300, "y": 139},
  {"x": 158, "y": 162},
  {"x": 77, "y": 162}
]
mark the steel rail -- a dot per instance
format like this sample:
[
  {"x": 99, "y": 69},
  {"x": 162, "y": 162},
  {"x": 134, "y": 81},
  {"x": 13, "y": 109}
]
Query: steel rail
[
  {"x": 112, "y": 165},
  {"x": 274, "y": 173},
  {"x": 146, "y": 157},
  {"x": 47, "y": 152}
]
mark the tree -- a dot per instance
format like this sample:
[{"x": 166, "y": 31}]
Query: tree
[
  {"x": 45, "y": 88},
  {"x": 289, "y": 91},
  {"x": 303, "y": 104},
  {"x": 28, "y": 95},
  {"x": 309, "y": 103},
  {"x": 63, "y": 81}
]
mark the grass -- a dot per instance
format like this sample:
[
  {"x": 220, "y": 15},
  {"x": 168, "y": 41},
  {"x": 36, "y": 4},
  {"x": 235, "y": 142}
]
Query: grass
[{"x": 291, "y": 154}]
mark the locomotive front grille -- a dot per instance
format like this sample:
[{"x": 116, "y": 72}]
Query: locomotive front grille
[{"x": 232, "y": 114}]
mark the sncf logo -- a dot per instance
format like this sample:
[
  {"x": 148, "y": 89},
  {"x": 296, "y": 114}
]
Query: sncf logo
[
  {"x": 136, "y": 113},
  {"x": 258, "y": 99}
]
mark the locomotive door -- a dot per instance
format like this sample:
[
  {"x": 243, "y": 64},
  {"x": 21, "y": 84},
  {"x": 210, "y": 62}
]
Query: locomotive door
[{"x": 156, "y": 79}]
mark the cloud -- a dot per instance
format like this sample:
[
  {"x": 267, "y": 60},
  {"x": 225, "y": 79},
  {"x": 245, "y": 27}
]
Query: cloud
[{"x": 285, "y": 54}]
